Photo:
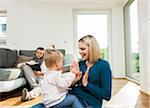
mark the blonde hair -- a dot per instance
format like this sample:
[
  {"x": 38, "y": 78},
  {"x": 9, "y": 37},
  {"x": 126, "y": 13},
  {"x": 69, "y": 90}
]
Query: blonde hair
[
  {"x": 94, "y": 49},
  {"x": 51, "y": 57}
]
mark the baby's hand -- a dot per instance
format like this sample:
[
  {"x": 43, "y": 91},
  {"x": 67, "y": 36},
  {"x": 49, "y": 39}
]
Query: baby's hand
[
  {"x": 74, "y": 68},
  {"x": 78, "y": 76},
  {"x": 76, "y": 65}
]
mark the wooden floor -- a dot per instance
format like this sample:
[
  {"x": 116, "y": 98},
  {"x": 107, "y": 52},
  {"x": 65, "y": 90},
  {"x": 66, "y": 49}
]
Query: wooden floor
[{"x": 143, "y": 100}]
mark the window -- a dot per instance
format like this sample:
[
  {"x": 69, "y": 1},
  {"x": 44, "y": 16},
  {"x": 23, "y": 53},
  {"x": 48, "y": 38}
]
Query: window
[
  {"x": 132, "y": 40},
  {"x": 96, "y": 24},
  {"x": 3, "y": 28}
]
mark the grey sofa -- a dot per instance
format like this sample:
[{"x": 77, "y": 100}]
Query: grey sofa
[{"x": 12, "y": 77}]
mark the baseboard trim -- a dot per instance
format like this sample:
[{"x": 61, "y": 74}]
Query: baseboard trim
[
  {"x": 132, "y": 80},
  {"x": 118, "y": 76},
  {"x": 144, "y": 92}
]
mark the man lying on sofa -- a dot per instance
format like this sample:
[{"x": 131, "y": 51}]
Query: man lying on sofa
[{"x": 32, "y": 73}]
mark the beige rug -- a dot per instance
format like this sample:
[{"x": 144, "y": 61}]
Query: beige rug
[{"x": 126, "y": 98}]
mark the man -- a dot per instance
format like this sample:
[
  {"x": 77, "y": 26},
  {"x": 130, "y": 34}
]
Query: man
[{"x": 32, "y": 73}]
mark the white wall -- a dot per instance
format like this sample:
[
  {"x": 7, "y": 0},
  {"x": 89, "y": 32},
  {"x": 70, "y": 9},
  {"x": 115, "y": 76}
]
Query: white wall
[
  {"x": 117, "y": 42},
  {"x": 144, "y": 43},
  {"x": 35, "y": 25},
  {"x": 39, "y": 24}
]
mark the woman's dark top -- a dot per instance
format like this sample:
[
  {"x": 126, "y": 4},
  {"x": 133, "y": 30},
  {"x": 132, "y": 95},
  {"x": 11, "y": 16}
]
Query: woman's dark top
[{"x": 99, "y": 84}]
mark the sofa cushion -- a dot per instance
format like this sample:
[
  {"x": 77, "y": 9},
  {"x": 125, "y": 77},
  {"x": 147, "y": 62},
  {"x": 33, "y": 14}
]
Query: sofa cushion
[
  {"x": 4, "y": 75},
  {"x": 23, "y": 59},
  {"x": 7, "y": 74},
  {"x": 3, "y": 57},
  {"x": 7, "y": 57},
  {"x": 29, "y": 53},
  {"x": 11, "y": 57}
]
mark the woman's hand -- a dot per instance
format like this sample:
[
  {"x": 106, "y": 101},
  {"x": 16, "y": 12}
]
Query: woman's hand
[{"x": 85, "y": 77}]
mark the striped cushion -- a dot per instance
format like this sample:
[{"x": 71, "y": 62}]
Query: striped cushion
[{"x": 7, "y": 74}]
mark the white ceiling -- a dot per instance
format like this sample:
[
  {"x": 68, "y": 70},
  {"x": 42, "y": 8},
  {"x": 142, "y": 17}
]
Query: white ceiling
[
  {"x": 103, "y": 3},
  {"x": 66, "y": 1}
]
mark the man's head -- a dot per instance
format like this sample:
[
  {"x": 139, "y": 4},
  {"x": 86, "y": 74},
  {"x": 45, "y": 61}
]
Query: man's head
[{"x": 39, "y": 52}]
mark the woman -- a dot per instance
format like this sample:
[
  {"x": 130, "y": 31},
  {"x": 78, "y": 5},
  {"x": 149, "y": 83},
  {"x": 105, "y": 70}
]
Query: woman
[{"x": 94, "y": 84}]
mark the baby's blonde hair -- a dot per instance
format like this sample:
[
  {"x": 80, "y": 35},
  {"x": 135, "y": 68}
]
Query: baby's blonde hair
[{"x": 51, "y": 57}]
